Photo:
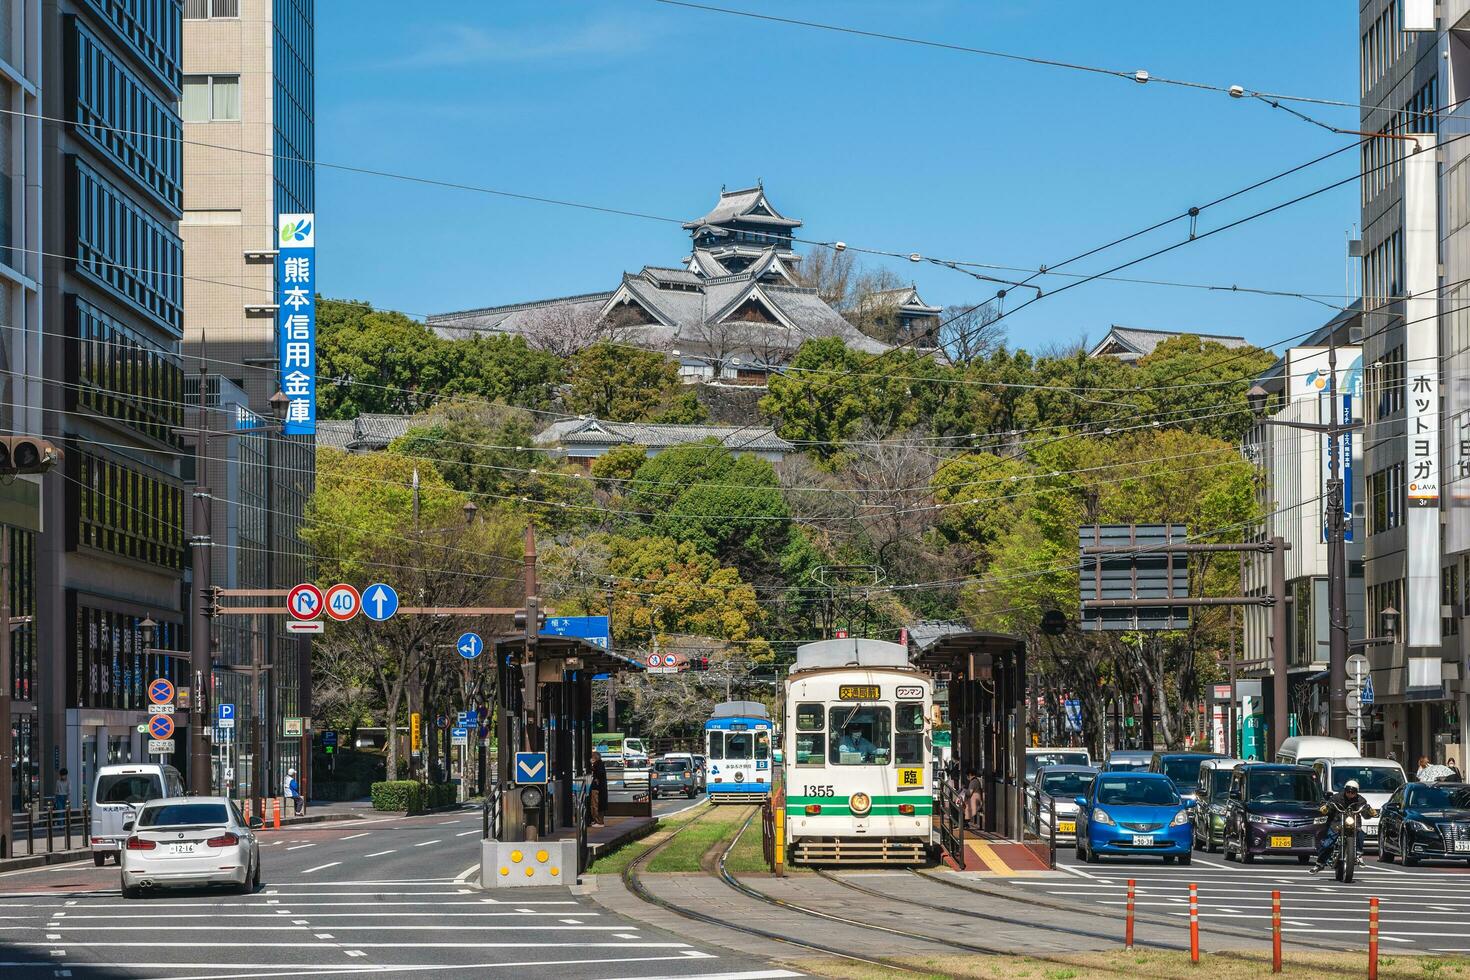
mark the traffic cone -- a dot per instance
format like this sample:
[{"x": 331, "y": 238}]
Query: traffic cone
[{"x": 277, "y": 814}]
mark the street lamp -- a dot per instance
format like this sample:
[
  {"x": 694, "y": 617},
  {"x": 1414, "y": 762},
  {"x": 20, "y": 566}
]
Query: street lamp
[
  {"x": 1334, "y": 429},
  {"x": 470, "y": 510}
]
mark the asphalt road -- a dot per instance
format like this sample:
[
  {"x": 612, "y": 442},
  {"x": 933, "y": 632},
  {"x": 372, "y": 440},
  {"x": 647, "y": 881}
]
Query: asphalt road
[
  {"x": 1423, "y": 909},
  {"x": 391, "y": 896}
]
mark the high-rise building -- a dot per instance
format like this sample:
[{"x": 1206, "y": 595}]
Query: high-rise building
[
  {"x": 247, "y": 107},
  {"x": 1416, "y": 356},
  {"x": 112, "y": 552}
]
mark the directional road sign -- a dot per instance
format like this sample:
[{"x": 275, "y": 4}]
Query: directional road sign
[
  {"x": 471, "y": 717},
  {"x": 469, "y": 645},
  {"x": 379, "y": 602},
  {"x": 530, "y": 767},
  {"x": 161, "y": 726},
  {"x": 161, "y": 691},
  {"x": 460, "y": 736},
  {"x": 304, "y": 601},
  {"x": 305, "y": 626},
  {"x": 594, "y": 629},
  {"x": 224, "y": 715},
  {"x": 343, "y": 602}
]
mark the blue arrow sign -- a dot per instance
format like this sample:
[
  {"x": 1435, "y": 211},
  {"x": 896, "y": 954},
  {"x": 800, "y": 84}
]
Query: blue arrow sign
[
  {"x": 379, "y": 602},
  {"x": 469, "y": 645},
  {"x": 530, "y": 767},
  {"x": 459, "y": 734}
]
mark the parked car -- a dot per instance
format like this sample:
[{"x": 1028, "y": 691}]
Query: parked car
[
  {"x": 1425, "y": 820},
  {"x": 1303, "y": 750},
  {"x": 1128, "y": 760},
  {"x": 1057, "y": 786},
  {"x": 116, "y": 795},
  {"x": 1183, "y": 768},
  {"x": 1134, "y": 813},
  {"x": 1054, "y": 756},
  {"x": 701, "y": 768},
  {"x": 1273, "y": 810},
  {"x": 1378, "y": 780},
  {"x": 191, "y": 841},
  {"x": 673, "y": 775},
  {"x": 1211, "y": 798}
]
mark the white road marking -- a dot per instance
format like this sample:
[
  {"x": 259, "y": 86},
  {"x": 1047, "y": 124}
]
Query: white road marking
[
  {"x": 321, "y": 867},
  {"x": 426, "y": 843},
  {"x": 324, "y": 935},
  {"x": 297, "y": 847},
  {"x": 317, "y": 968},
  {"x": 624, "y": 935},
  {"x": 467, "y": 833},
  {"x": 377, "y": 854},
  {"x": 354, "y": 952},
  {"x": 365, "y": 833},
  {"x": 467, "y": 873},
  {"x": 570, "y": 922},
  {"x": 398, "y": 945},
  {"x": 1075, "y": 871}
]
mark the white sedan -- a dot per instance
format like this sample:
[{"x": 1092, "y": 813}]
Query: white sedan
[{"x": 189, "y": 841}]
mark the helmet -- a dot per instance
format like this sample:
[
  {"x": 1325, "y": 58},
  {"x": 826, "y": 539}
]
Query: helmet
[
  {"x": 292, "y": 772},
  {"x": 1352, "y": 784}
]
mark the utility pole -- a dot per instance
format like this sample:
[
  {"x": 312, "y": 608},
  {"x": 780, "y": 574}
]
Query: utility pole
[
  {"x": 1337, "y": 635},
  {"x": 1280, "y": 709},
  {"x": 200, "y": 636},
  {"x": 7, "y": 744},
  {"x": 531, "y": 737}
]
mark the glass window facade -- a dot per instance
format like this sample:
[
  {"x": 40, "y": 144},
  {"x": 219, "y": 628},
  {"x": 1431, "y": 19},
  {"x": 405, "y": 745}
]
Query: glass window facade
[
  {"x": 125, "y": 250},
  {"x": 210, "y": 9},
  {"x": 122, "y": 374},
  {"x": 108, "y": 665},
  {"x": 126, "y": 512},
  {"x": 295, "y": 99},
  {"x": 115, "y": 111},
  {"x": 154, "y": 29},
  {"x": 22, "y": 603}
]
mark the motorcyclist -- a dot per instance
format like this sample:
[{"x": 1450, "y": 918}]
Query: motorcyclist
[{"x": 1348, "y": 801}]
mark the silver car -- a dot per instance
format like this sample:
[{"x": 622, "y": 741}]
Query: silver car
[
  {"x": 189, "y": 841},
  {"x": 1055, "y": 789}
]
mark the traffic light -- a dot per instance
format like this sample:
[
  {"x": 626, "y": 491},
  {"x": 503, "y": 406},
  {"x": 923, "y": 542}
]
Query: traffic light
[
  {"x": 520, "y": 619},
  {"x": 26, "y": 454},
  {"x": 699, "y": 663}
]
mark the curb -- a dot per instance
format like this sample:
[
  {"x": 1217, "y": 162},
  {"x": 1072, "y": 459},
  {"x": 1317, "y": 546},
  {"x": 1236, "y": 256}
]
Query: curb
[
  {"x": 315, "y": 818},
  {"x": 39, "y": 860}
]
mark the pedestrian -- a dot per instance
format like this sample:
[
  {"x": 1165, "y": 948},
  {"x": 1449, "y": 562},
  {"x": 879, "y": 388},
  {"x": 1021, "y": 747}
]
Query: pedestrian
[
  {"x": 1419, "y": 770},
  {"x": 293, "y": 790},
  {"x": 598, "y": 799},
  {"x": 63, "y": 790},
  {"x": 974, "y": 799},
  {"x": 1453, "y": 766}
]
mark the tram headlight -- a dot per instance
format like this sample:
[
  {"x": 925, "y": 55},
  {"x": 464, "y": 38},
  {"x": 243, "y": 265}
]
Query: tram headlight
[
  {"x": 860, "y": 804},
  {"x": 906, "y": 809}
]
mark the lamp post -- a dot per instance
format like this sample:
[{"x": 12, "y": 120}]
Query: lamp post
[{"x": 1337, "y": 629}]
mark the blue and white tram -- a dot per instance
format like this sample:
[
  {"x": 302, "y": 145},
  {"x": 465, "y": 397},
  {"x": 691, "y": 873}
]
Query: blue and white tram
[{"x": 737, "y": 746}]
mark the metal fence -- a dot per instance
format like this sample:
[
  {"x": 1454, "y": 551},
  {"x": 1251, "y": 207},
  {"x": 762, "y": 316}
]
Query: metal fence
[{"x": 46, "y": 830}]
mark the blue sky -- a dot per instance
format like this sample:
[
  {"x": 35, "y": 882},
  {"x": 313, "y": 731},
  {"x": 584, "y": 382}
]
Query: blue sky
[{"x": 634, "y": 105}]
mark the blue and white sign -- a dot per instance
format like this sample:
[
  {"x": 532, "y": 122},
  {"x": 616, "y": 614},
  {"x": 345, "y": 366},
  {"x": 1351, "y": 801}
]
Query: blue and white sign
[
  {"x": 469, "y": 646},
  {"x": 224, "y": 715},
  {"x": 379, "y": 602},
  {"x": 530, "y": 767},
  {"x": 460, "y": 735},
  {"x": 596, "y": 630},
  {"x": 1365, "y": 696},
  {"x": 296, "y": 302},
  {"x": 1073, "y": 708},
  {"x": 471, "y": 717}
]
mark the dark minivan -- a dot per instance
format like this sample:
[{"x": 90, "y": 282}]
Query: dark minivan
[
  {"x": 1273, "y": 809},
  {"x": 1182, "y": 768}
]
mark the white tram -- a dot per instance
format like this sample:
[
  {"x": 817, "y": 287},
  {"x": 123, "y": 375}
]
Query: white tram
[
  {"x": 737, "y": 741},
  {"x": 857, "y": 755}
]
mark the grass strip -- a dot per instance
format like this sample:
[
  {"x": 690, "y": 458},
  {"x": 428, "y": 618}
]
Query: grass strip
[{"x": 1154, "y": 964}]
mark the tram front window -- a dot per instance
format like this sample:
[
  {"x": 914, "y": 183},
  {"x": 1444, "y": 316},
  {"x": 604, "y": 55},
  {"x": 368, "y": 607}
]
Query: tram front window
[
  {"x": 738, "y": 745},
  {"x": 860, "y": 735}
]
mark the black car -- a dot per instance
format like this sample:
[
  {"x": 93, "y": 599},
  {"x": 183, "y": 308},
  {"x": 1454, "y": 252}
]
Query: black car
[
  {"x": 1426, "y": 820},
  {"x": 1273, "y": 810}
]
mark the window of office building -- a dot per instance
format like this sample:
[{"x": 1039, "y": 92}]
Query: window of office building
[
  {"x": 1385, "y": 595},
  {"x": 108, "y": 663},
  {"x": 122, "y": 374},
  {"x": 152, "y": 28},
  {"x": 127, "y": 251},
  {"x": 117, "y": 113},
  {"x": 1386, "y": 498},
  {"x": 1383, "y": 270},
  {"x": 23, "y": 605},
  {"x": 128, "y": 513},
  {"x": 211, "y": 98},
  {"x": 210, "y": 9},
  {"x": 1386, "y": 386},
  {"x": 1419, "y": 112}
]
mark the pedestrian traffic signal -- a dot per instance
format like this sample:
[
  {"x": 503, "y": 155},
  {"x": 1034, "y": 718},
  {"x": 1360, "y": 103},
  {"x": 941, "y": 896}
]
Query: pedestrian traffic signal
[
  {"x": 520, "y": 619},
  {"x": 26, "y": 454}
]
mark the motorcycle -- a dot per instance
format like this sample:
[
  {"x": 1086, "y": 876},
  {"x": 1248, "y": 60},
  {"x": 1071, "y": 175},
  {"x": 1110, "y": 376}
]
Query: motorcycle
[{"x": 1345, "y": 855}]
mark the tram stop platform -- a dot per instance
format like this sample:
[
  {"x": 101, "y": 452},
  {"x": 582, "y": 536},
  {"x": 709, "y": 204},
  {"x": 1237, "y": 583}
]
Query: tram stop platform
[{"x": 997, "y": 855}]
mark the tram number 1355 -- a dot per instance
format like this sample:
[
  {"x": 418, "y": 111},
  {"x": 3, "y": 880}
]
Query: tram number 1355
[{"x": 817, "y": 791}]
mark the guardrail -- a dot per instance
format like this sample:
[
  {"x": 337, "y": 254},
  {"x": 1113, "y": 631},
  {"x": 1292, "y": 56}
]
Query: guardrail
[
  {"x": 1044, "y": 846},
  {"x": 61, "y": 829}
]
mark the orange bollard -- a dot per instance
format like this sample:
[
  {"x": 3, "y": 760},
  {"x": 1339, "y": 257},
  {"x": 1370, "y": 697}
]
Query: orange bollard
[
  {"x": 1372, "y": 939},
  {"x": 247, "y": 813},
  {"x": 1128, "y": 934},
  {"x": 1194, "y": 923},
  {"x": 1275, "y": 932},
  {"x": 276, "y": 813}
]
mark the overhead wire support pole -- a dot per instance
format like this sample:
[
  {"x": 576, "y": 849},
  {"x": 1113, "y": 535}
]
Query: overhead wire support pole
[{"x": 201, "y": 635}]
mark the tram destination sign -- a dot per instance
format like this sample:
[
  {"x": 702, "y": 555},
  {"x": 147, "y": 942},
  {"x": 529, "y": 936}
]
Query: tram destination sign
[{"x": 859, "y": 692}]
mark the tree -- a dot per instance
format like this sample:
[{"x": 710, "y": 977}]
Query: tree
[
  {"x": 564, "y": 329},
  {"x": 664, "y": 587},
  {"x": 818, "y": 401},
  {"x": 498, "y": 368},
  {"x": 1200, "y": 385},
  {"x": 624, "y": 384},
  {"x": 373, "y": 361},
  {"x": 969, "y": 332}
]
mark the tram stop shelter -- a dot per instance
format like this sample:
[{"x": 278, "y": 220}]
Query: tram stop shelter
[
  {"x": 544, "y": 732},
  {"x": 986, "y": 678}
]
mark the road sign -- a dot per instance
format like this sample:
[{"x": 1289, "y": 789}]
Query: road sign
[
  {"x": 1357, "y": 666},
  {"x": 471, "y": 717},
  {"x": 225, "y": 711},
  {"x": 343, "y": 602},
  {"x": 229, "y": 774},
  {"x": 305, "y": 626},
  {"x": 142, "y": 729},
  {"x": 304, "y": 601},
  {"x": 161, "y": 726},
  {"x": 469, "y": 645},
  {"x": 1141, "y": 568},
  {"x": 293, "y": 727},
  {"x": 160, "y": 709},
  {"x": 530, "y": 767},
  {"x": 161, "y": 691},
  {"x": 670, "y": 660},
  {"x": 460, "y": 735},
  {"x": 596, "y": 630},
  {"x": 379, "y": 602},
  {"x": 181, "y": 697},
  {"x": 160, "y": 746},
  {"x": 1365, "y": 696},
  {"x": 329, "y": 738}
]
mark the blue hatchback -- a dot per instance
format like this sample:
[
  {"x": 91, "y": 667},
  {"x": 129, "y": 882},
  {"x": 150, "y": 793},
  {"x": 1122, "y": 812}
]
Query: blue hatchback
[{"x": 1134, "y": 813}]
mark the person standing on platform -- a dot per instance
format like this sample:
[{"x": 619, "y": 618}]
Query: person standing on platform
[{"x": 598, "y": 799}]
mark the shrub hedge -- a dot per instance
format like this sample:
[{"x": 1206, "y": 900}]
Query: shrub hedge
[{"x": 411, "y": 796}]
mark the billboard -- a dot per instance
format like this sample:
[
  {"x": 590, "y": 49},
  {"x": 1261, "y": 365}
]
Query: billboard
[{"x": 296, "y": 315}]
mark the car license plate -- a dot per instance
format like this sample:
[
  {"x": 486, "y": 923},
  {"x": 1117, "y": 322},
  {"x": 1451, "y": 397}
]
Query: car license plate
[
  {"x": 1066, "y": 826},
  {"x": 1281, "y": 841},
  {"x": 1143, "y": 840},
  {"x": 181, "y": 848},
  {"x": 1462, "y": 845}
]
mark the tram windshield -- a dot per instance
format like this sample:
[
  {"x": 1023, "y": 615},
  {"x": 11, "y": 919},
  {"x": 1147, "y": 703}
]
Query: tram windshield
[
  {"x": 738, "y": 745},
  {"x": 861, "y": 735}
]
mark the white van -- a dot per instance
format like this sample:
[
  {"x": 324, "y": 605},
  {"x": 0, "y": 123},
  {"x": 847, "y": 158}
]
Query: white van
[
  {"x": 1303, "y": 750},
  {"x": 116, "y": 796},
  {"x": 1378, "y": 779}
]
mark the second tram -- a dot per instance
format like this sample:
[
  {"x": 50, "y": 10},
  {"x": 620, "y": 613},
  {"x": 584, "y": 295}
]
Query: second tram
[{"x": 737, "y": 741}]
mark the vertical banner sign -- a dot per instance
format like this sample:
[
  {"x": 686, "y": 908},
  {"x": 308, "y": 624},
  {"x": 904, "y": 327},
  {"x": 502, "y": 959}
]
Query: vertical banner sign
[
  {"x": 1421, "y": 395},
  {"x": 296, "y": 297},
  {"x": 415, "y": 731},
  {"x": 1349, "y": 391}
]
